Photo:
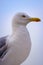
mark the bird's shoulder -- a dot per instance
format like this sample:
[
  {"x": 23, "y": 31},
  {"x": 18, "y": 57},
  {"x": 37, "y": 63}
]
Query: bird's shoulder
[{"x": 3, "y": 46}]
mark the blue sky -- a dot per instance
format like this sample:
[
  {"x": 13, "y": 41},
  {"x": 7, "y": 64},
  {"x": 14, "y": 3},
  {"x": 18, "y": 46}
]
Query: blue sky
[{"x": 33, "y": 8}]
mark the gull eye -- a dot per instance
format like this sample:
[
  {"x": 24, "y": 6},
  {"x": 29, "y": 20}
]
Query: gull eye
[{"x": 23, "y": 16}]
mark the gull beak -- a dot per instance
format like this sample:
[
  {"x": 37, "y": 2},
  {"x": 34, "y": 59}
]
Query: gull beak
[{"x": 34, "y": 19}]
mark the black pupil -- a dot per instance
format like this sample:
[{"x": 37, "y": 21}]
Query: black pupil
[{"x": 23, "y": 16}]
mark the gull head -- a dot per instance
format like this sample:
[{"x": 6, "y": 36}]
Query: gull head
[{"x": 23, "y": 19}]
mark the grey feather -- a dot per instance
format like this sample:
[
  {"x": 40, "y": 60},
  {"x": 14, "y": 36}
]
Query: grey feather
[{"x": 3, "y": 46}]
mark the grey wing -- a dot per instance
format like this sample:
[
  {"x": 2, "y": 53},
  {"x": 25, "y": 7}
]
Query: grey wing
[{"x": 3, "y": 47}]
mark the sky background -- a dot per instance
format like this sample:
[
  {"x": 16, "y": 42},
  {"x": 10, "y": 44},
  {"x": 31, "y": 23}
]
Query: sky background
[{"x": 33, "y": 8}]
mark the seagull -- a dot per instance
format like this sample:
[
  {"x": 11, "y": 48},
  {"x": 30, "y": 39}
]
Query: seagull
[{"x": 15, "y": 48}]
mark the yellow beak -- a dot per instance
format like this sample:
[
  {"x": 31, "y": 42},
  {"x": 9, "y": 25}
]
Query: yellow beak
[{"x": 34, "y": 19}]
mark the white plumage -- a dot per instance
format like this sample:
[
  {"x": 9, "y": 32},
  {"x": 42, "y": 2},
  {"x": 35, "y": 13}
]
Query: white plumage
[{"x": 18, "y": 43}]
